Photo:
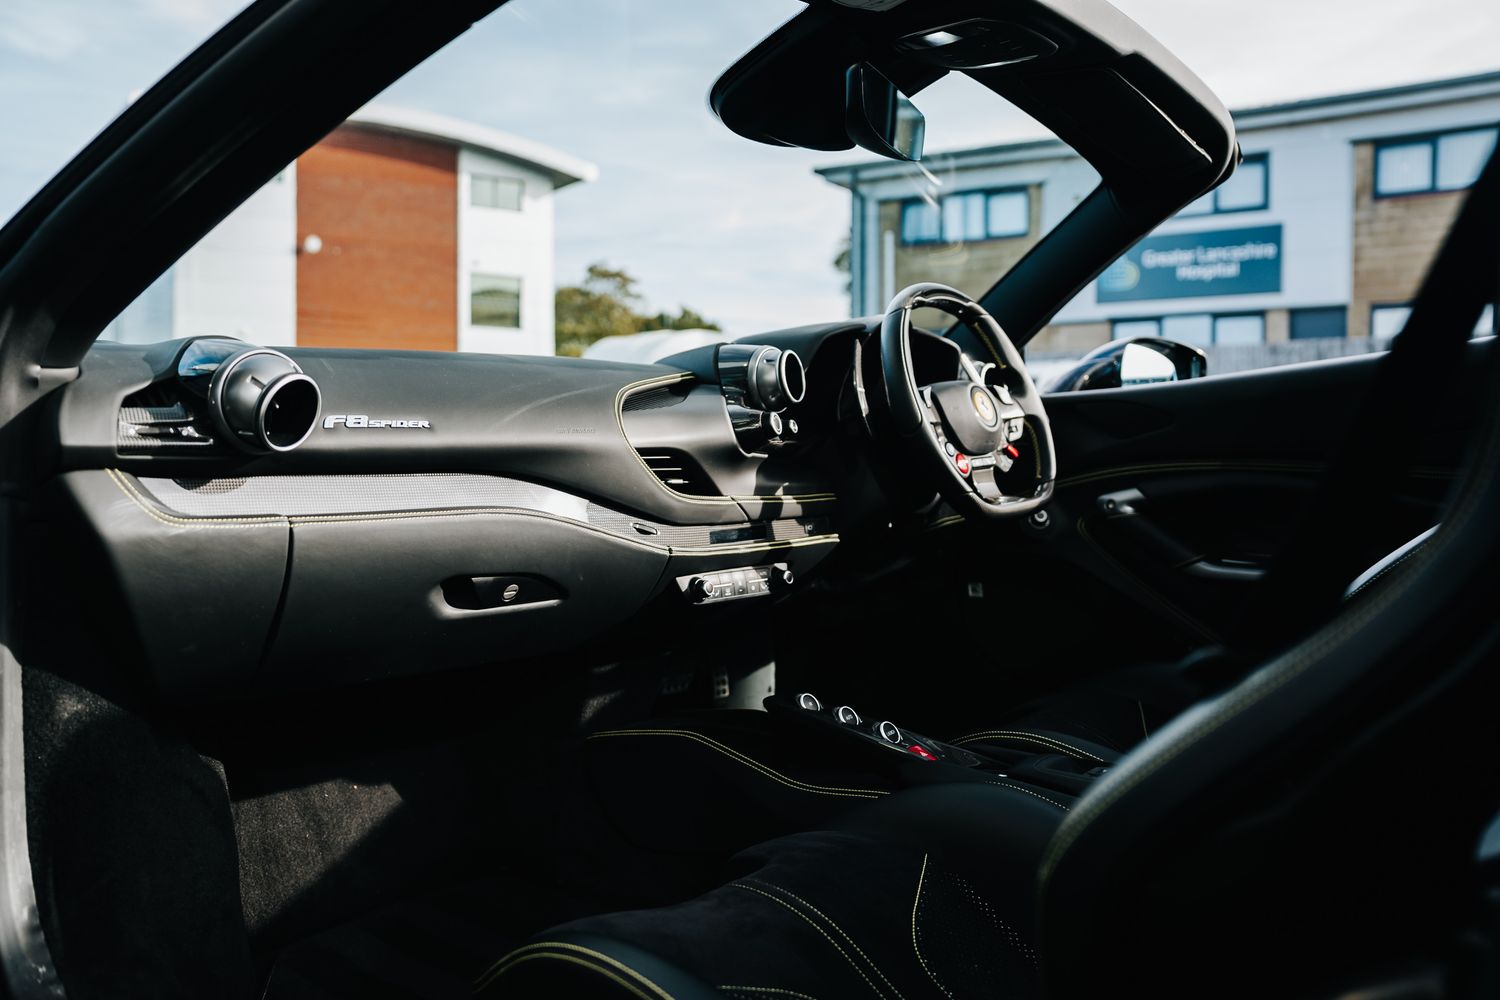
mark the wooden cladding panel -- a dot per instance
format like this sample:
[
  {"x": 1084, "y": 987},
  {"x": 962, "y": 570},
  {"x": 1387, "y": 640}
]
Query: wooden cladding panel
[{"x": 386, "y": 208}]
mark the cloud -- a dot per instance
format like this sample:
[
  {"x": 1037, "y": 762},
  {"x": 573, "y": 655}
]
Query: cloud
[
  {"x": 43, "y": 31},
  {"x": 192, "y": 13}
]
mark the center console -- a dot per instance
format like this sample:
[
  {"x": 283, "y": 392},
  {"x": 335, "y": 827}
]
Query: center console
[{"x": 845, "y": 726}]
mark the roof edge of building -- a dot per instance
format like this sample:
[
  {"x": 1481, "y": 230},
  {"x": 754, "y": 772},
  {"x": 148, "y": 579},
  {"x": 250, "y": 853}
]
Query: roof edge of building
[
  {"x": 1295, "y": 112},
  {"x": 562, "y": 168}
]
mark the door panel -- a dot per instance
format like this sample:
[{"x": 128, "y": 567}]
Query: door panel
[{"x": 1179, "y": 495}]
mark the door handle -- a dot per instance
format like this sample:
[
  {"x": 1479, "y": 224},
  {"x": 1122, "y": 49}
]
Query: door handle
[{"x": 1125, "y": 508}]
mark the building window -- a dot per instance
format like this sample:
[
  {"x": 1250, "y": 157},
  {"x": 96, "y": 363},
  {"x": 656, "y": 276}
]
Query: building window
[
  {"x": 1387, "y": 321},
  {"x": 1196, "y": 329},
  {"x": 1247, "y": 190},
  {"x": 490, "y": 191},
  {"x": 967, "y": 217},
  {"x": 495, "y": 300},
  {"x": 1322, "y": 323},
  {"x": 1448, "y": 162}
]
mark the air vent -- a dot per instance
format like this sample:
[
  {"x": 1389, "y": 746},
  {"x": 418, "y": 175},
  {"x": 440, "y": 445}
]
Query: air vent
[
  {"x": 658, "y": 398},
  {"x": 678, "y": 472},
  {"x": 153, "y": 420}
]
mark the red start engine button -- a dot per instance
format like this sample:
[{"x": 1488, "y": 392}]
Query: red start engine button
[
  {"x": 920, "y": 752},
  {"x": 961, "y": 462}
]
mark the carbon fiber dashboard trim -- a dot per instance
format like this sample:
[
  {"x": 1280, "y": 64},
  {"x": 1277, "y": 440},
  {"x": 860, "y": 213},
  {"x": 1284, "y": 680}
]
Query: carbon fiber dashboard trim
[{"x": 322, "y": 498}]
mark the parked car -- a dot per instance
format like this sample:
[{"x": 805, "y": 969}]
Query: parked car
[{"x": 835, "y": 660}]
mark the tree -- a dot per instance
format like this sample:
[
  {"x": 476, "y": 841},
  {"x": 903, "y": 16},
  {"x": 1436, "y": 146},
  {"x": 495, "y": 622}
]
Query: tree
[{"x": 604, "y": 304}]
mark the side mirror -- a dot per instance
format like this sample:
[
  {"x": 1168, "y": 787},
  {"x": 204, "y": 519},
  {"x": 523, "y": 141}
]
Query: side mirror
[
  {"x": 1142, "y": 361},
  {"x": 879, "y": 118}
]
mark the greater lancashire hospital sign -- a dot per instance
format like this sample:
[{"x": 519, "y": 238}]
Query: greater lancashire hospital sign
[{"x": 1184, "y": 265}]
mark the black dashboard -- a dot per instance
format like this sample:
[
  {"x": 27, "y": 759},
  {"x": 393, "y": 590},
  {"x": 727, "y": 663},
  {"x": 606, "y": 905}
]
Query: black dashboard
[{"x": 441, "y": 510}]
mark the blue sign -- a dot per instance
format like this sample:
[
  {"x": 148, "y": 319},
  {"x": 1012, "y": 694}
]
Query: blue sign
[{"x": 1184, "y": 265}]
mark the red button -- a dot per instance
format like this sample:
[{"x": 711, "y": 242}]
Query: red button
[
  {"x": 1012, "y": 451},
  {"x": 962, "y": 462},
  {"x": 920, "y": 752}
]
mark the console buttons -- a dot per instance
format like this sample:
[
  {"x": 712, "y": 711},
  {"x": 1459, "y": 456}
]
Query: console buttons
[
  {"x": 982, "y": 462},
  {"x": 889, "y": 732},
  {"x": 961, "y": 463},
  {"x": 809, "y": 701},
  {"x": 847, "y": 715},
  {"x": 731, "y": 584}
]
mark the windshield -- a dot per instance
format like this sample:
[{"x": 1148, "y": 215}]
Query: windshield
[
  {"x": 553, "y": 181},
  {"x": 555, "y": 177}
]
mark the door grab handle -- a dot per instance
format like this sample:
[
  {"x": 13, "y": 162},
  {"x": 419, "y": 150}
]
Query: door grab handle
[{"x": 1125, "y": 503}]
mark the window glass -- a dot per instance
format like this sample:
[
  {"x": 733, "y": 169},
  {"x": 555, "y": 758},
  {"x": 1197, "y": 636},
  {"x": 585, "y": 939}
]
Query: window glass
[
  {"x": 495, "y": 300},
  {"x": 1239, "y": 329},
  {"x": 953, "y": 219},
  {"x": 1387, "y": 321},
  {"x": 1009, "y": 213},
  {"x": 1195, "y": 329},
  {"x": 1461, "y": 156},
  {"x": 489, "y": 191},
  {"x": 1486, "y": 325},
  {"x": 920, "y": 222},
  {"x": 1319, "y": 323},
  {"x": 975, "y": 227},
  {"x": 1403, "y": 169},
  {"x": 1245, "y": 189}
]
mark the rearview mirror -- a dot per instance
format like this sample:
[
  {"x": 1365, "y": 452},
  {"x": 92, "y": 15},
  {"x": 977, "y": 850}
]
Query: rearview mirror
[{"x": 879, "y": 118}]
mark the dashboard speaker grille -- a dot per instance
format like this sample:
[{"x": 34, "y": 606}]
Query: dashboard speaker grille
[
  {"x": 678, "y": 472},
  {"x": 658, "y": 397},
  {"x": 153, "y": 420}
]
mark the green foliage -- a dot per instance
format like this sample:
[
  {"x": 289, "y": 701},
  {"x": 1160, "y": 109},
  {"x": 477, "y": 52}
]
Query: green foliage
[{"x": 605, "y": 304}]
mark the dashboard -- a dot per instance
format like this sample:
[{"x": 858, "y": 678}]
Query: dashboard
[{"x": 318, "y": 517}]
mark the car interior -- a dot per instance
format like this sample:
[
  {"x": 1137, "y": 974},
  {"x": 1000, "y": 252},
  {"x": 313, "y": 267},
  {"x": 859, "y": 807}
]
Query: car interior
[{"x": 837, "y": 660}]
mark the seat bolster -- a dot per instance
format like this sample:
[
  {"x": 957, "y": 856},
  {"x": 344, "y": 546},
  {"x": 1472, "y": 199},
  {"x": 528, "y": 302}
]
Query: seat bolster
[
  {"x": 1388, "y": 564},
  {"x": 572, "y": 964}
]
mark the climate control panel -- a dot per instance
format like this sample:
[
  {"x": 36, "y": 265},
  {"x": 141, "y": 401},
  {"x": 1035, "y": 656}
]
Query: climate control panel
[{"x": 717, "y": 586}]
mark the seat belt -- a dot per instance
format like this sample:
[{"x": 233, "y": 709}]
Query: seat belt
[{"x": 1306, "y": 580}]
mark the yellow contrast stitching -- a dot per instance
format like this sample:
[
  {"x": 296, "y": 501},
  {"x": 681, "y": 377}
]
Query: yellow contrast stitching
[
  {"x": 915, "y": 904},
  {"x": 813, "y": 924},
  {"x": 1013, "y": 734},
  {"x": 772, "y": 990},
  {"x": 174, "y": 520},
  {"x": 538, "y": 950},
  {"x": 136, "y": 497},
  {"x": 788, "y": 543},
  {"x": 1035, "y": 795},
  {"x": 834, "y": 924},
  {"x": 633, "y": 387},
  {"x": 733, "y": 754}
]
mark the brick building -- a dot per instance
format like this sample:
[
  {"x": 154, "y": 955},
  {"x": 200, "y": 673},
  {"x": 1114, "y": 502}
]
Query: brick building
[
  {"x": 1321, "y": 235},
  {"x": 400, "y": 229}
]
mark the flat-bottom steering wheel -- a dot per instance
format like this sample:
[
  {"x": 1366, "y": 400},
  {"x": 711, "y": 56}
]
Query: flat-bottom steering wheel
[{"x": 982, "y": 438}]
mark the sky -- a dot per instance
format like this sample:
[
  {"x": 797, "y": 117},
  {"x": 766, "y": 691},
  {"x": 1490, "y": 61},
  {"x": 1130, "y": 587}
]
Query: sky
[{"x": 743, "y": 233}]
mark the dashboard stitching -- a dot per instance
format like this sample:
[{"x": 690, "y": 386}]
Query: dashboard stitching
[
  {"x": 628, "y": 390},
  {"x": 145, "y": 503},
  {"x": 173, "y": 520}
]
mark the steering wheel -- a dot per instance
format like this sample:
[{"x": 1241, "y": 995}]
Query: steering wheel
[{"x": 976, "y": 437}]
